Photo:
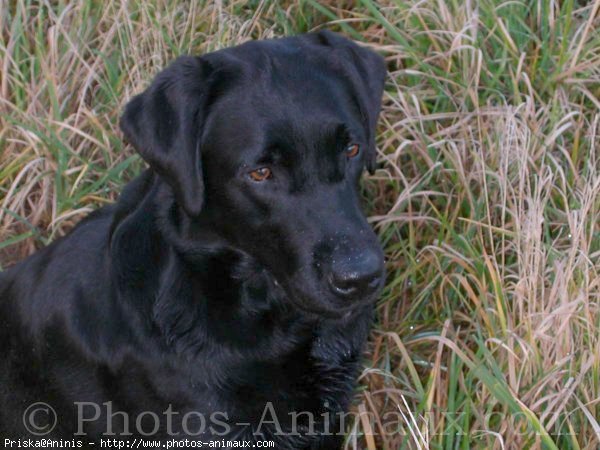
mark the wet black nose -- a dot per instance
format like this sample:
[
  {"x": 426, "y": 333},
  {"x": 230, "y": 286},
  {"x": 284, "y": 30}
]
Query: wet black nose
[{"x": 356, "y": 276}]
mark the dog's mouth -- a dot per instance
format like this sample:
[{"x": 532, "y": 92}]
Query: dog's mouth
[{"x": 321, "y": 302}]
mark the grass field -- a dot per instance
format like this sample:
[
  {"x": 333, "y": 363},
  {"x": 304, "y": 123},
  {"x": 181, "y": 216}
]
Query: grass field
[{"x": 487, "y": 200}]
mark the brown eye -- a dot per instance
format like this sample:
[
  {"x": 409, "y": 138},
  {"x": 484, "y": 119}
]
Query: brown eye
[
  {"x": 352, "y": 150},
  {"x": 260, "y": 174}
]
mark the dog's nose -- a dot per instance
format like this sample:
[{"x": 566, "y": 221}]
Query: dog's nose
[{"x": 356, "y": 276}]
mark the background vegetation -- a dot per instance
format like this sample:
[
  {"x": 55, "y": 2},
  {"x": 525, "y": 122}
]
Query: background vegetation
[{"x": 487, "y": 199}]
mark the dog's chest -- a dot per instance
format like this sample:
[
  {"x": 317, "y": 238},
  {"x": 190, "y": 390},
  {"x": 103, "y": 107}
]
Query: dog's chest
[{"x": 317, "y": 376}]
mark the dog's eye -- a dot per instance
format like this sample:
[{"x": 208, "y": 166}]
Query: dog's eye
[
  {"x": 260, "y": 174},
  {"x": 352, "y": 150}
]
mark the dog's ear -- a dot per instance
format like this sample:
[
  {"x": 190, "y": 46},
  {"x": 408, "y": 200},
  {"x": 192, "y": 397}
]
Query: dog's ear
[
  {"x": 164, "y": 124},
  {"x": 366, "y": 72}
]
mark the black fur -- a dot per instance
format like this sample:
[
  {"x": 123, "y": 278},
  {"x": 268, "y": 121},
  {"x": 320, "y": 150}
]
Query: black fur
[{"x": 201, "y": 289}]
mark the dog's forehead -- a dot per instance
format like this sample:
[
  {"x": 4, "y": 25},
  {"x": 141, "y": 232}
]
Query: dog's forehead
[
  {"x": 291, "y": 64},
  {"x": 279, "y": 96},
  {"x": 253, "y": 132},
  {"x": 247, "y": 125},
  {"x": 280, "y": 85}
]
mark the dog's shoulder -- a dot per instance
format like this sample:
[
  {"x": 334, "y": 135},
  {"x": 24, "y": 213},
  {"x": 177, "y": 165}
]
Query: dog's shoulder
[{"x": 53, "y": 280}]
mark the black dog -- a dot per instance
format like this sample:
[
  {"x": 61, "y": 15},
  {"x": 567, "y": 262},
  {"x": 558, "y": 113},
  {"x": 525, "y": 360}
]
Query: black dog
[{"x": 228, "y": 293}]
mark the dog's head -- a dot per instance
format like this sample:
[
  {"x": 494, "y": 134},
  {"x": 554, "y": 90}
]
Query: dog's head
[{"x": 265, "y": 143}]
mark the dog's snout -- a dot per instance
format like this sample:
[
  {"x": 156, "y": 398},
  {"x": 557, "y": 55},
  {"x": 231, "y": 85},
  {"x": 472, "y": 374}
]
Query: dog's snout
[{"x": 356, "y": 276}]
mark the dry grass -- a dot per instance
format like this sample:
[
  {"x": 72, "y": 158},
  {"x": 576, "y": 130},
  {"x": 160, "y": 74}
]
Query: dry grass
[{"x": 488, "y": 199}]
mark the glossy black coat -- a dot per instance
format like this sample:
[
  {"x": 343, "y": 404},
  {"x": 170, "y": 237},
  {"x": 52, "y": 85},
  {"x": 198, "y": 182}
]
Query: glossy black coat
[{"x": 202, "y": 289}]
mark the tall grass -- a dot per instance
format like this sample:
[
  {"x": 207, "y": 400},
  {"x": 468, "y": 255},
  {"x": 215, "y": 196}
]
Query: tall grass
[{"x": 487, "y": 200}]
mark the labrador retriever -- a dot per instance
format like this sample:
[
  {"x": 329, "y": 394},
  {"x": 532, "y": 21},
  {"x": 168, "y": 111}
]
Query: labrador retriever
[{"x": 228, "y": 294}]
